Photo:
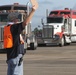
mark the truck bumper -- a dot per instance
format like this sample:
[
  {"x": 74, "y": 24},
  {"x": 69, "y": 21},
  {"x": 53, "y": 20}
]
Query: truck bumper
[{"x": 51, "y": 41}]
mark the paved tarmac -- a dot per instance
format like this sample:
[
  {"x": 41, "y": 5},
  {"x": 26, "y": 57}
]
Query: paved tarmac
[{"x": 46, "y": 61}]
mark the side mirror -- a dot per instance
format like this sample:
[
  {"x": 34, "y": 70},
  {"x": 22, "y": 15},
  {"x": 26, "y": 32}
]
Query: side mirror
[{"x": 69, "y": 21}]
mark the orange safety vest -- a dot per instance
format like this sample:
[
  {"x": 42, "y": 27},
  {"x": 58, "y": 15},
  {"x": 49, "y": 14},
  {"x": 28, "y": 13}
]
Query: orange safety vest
[{"x": 8, "y": 39}]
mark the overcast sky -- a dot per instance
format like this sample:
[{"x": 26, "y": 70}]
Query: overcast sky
[{"x": 43, "y": 5}]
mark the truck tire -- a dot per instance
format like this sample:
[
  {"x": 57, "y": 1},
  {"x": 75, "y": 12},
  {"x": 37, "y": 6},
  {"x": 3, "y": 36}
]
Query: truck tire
[
  {"x": 61, "y": 42},
  {"x": 33, "y": 46}
]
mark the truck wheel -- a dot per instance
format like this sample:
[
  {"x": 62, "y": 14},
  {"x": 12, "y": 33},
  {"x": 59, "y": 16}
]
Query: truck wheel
[
  {"x": 62, "y": 42},
  {"x": 33, "y": 46}
]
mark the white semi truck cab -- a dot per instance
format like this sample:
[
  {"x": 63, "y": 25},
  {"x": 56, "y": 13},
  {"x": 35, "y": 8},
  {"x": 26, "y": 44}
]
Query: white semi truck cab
[
  {"x": 23, "y": 12},
  {"x": 60, "y": 28}
]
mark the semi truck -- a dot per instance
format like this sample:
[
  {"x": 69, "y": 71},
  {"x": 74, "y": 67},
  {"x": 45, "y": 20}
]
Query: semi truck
[
  {"x": 59, "y": 29},
  {"x": 23, "y": 10}
]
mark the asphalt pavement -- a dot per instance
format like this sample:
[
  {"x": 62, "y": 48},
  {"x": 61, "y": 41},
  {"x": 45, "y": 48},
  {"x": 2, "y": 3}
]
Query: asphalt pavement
[{"x": 46, "y": 61}]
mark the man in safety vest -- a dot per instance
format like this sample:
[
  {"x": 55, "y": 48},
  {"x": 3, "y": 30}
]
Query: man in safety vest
[{"x": 12, "y": 41}]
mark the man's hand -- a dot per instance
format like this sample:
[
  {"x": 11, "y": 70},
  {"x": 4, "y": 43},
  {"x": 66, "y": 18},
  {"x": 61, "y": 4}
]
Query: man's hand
[{"x": 34, "y": 4}]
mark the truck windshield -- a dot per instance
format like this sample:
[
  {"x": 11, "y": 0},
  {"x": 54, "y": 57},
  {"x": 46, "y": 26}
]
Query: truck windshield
[
  {"x": 3, "y": 17},
  {"x": 54, "y": 19}
]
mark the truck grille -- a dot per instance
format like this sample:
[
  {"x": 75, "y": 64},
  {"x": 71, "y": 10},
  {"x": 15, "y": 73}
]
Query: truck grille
[
  {"x": 48, "y": 31},
  {"x": 1, "y": 37},
  {"x": 1, "y": 34}
]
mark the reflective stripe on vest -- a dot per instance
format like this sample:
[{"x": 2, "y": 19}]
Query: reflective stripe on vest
[{"x": 8, "y": 39}]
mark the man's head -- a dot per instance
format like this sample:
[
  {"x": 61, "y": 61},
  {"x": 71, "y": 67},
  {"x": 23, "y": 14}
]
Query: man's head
[{"x": 12, "y": 17}]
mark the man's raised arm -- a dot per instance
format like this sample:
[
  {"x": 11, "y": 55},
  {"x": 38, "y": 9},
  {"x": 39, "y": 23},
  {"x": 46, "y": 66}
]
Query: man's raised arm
[{"x": 29, "y": 17}]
